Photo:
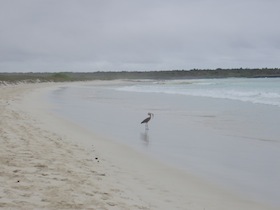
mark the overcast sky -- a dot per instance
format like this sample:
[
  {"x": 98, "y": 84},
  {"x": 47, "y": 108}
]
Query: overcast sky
[{"x": 116, "y": 35}]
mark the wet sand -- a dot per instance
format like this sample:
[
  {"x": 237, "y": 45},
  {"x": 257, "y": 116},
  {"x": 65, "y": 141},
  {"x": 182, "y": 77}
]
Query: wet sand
[{"x": 48, "y": 162}]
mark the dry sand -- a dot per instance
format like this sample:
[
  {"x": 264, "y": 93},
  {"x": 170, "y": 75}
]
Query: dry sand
[{"x": 49, "y": 163}]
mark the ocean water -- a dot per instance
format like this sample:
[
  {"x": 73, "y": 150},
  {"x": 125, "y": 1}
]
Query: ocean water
[
  {"x": 223, "y": 130},
  {"x": 260, "y": 90}
]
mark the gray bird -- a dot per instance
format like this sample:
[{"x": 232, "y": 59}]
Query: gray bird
[{"x": 147, "y": 119}]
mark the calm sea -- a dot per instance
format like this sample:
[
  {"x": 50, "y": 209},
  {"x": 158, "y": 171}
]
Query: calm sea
[
  {"x": 261, "y": 90},
  {"x": 223, "y": 130}
]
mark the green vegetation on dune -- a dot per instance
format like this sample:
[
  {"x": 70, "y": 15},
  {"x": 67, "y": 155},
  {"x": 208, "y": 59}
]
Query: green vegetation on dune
[{"x": 161, "y": 75}]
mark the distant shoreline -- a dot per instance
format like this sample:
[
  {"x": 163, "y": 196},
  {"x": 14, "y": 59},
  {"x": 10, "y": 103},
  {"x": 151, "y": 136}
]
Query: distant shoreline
[{"x": 159, "y": 75}]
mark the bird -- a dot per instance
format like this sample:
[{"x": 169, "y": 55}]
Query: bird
[{"x": 147, "y": 120}]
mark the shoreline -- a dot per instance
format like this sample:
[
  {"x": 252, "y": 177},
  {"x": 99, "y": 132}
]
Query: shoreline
[{"x": 61, "y": 165}]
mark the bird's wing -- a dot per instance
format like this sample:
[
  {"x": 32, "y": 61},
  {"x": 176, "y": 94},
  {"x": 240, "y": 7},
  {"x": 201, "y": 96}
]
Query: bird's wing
[{"x": 146, "y": 120}]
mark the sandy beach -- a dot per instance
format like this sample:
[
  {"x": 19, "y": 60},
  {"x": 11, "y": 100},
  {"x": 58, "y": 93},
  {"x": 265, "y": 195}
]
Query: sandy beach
[{"x": 47, "y": 162}]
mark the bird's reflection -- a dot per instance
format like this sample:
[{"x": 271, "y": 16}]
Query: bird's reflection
[{"x": 145, "y": 137}]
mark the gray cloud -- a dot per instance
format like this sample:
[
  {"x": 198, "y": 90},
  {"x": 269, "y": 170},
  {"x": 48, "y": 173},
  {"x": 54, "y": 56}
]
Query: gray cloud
[{"x": 96, "y": 35}]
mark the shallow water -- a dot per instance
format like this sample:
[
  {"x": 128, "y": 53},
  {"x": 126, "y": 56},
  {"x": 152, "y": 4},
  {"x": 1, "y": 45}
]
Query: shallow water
[
  {"x": 229, "y": 142},
  {"x": 259, "y": 90}
]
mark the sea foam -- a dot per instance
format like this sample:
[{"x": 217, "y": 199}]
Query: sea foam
[{"x": 261, "y": 90}]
